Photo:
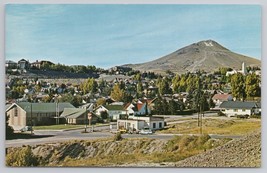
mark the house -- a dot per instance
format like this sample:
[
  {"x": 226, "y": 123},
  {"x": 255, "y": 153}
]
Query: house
[
  {"x": 137, "y": 109},
  {"x": 74, "y": 116},
  {"x": 150, "y": 89},
  {"x": 233, "y": 108},
  {"x": 32, "y": 114},
  {"x": 219, "y": 98},
  {"x": 120, "y": 69},
  {"x": 11, "y": 64},
  {"x": 114, "y": 111},
  {"x": 23, "y": 64},
  {"x": 79, "y": 115},
  {"x": 39, "y": 64},
  {"x": 139, "y": 122}
]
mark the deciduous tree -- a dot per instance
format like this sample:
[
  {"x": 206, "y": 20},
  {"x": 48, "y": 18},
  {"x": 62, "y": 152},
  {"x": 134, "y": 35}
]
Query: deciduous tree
[
  {"x": 252, "y": 87},
  {"x": 117, "y": 93},
  {"x": 238, "y": 86}
]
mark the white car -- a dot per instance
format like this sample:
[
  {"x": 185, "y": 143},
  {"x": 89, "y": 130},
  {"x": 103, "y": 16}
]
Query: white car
[{"x": 146, "y": 131}]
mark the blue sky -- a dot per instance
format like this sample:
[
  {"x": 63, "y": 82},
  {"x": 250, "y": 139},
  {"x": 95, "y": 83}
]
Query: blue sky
[{"x": 109, "y": 35}]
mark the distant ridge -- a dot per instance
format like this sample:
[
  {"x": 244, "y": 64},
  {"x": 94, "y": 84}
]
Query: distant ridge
[{"x": 205, "y": 55}]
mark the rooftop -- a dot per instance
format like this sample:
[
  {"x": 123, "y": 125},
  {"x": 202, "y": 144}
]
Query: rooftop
[
  {"x": 240, "y": 105},
  {"x": 42, "y": 107}
]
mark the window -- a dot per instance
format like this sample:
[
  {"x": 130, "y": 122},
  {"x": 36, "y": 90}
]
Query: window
[
  {"x": 154, "y": 125},
  {"x": 160, "y": 125},
  {"x": 16, "y": 112}
]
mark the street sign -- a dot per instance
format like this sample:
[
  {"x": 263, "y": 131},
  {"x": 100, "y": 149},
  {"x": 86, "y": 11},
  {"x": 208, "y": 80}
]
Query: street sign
[{"x": 89, "y": 116}]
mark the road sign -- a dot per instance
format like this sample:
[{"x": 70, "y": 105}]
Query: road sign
[{"x": 89, "y": 116}]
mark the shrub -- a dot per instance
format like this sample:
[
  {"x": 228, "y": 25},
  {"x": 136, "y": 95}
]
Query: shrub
[
  {"x": 117, "y": 137},
  {"x": 255, "y": 116},
  {"x": 242, "y": 116},
  {"x": 21, "y": 158},
  {"x": 201, "y": 140},
  {"x": 185, "y": 141},
  {"x": 9, "y": 129}
]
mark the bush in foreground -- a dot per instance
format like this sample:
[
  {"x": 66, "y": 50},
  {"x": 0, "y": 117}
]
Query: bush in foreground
[
  {"x": 21, "y": 158},
  {"x": 117, "y": 137}
]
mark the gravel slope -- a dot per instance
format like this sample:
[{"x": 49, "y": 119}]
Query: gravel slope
[{"x": 244, "y": 152}]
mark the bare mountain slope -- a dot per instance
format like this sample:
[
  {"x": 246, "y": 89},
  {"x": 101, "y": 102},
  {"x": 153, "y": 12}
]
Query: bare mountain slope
[{"x": 204, "y": 55}]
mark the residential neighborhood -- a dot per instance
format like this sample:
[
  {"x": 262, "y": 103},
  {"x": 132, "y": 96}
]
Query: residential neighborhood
[{"x": 123, "y": 95}]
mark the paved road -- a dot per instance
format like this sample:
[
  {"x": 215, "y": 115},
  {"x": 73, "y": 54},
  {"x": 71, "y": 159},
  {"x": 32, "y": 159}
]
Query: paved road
[
  {"x": 100, "y": 132},
  {"x": 78, "y": 135}
]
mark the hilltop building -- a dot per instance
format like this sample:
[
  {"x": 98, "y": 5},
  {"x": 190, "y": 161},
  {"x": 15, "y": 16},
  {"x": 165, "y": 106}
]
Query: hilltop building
[
  {"x": 11, "y": 64},
  {"x": 39, "y": 64},
  {"x": 23, "y": 64}
]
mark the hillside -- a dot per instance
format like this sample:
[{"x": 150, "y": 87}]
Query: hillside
[
  {"x": 205, "y": 55},
  {"x": 52, "y": 74},
  {"x": 245, "y": 152}
]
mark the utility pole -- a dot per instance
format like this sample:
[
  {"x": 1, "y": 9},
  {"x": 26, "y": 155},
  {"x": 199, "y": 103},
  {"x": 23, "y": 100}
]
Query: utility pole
[
  {"x": 85, "y": 121},
  {"x": 31, "y": 119},
  {"x": 57, "y": 113}
]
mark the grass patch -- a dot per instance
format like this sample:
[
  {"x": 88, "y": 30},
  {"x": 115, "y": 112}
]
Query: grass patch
[
  {"x": 216, "y": 126},
  {"x": 57, "y": 127},
  {"x": 63, "y": 127},
  {"x": 176, "y": 149}
]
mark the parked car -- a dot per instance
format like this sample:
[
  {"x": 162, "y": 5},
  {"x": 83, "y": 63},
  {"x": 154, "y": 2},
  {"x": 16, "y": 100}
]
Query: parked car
[
  {"x": 146, "y": 131},
  {"x": 123, "y": 130},
  {"x": 26, "y": 128},
  {"x": 133, "y": 131}
]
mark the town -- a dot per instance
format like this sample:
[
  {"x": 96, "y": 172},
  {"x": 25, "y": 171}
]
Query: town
[
  {"x": 133, "y": 99},
  {"x": 133, "y": 85}
]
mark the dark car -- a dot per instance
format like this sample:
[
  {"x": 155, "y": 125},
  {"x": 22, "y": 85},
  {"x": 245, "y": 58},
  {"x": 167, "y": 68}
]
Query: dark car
[{"x": 26, "y": 128}]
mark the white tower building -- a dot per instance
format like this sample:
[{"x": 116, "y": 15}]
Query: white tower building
[{"x": 244, "y": 68}]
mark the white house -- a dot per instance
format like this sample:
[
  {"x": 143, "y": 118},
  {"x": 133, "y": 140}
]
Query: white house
[
  {"x": 139, "y": 122},
  {"x": 114, "y": 111},
  {"x": 137, "y": 109},
  {"x": 233, "y": 108}
]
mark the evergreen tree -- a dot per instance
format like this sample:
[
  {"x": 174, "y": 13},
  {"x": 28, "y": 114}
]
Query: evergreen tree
[
  {"x": 172, "y": 107},
  {"x": 165, "y": 107},
  {"x": 158, "y": 108},
  {"x": 164, "y": 87},
  {"x": 9, "y": 129},
  {"x": 139, "y": 90}
]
